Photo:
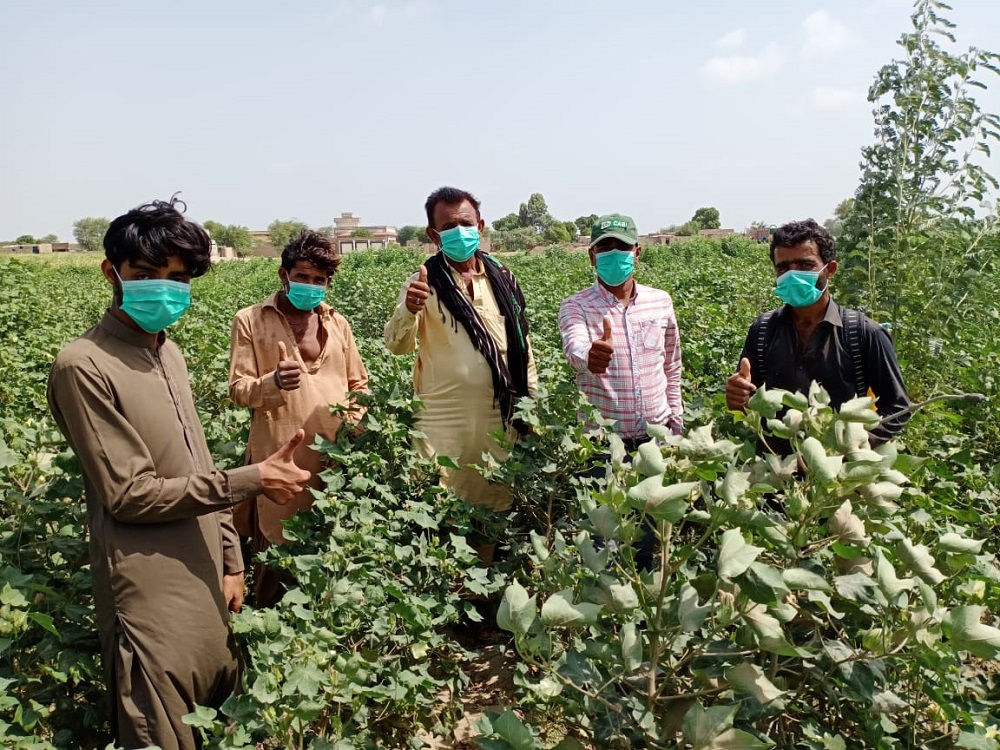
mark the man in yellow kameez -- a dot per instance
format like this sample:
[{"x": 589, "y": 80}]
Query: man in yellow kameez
[{"x": 474, "y": 359}]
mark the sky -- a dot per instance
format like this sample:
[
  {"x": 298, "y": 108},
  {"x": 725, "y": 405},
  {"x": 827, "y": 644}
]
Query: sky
[{"x": 277, "y": 110}]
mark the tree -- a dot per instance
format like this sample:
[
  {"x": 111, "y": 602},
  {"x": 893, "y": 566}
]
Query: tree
[
  {"x": 707, "y": 218},
  {"x": 835, "y": 224},
  {"x": 283, "y": 232},
  {"x": 410, "y": 233},
  {"x": 233, "y": 235},
  {"x": 585, "y": 223},
  {"x": 361, "y": 232},
  {"x": 26, "y": 239},
  {"x": 556, "y": 233},
  {"x": 688, "y": 229},
  {"x": 50, "y": 238},
  {"x": 914, "y": 251},
  {"x": 507, "y": 223},
  {"x": 89, "y": 232},
  {"x": 535, "y": 213}
]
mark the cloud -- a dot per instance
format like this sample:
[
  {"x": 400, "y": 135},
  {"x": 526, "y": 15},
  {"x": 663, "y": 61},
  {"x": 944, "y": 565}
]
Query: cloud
[
  {"x": 735, "y": 69},
  {"x": 380, "y": 13},
  {"x": 375, "y": 15},
  {"x": 825, "y": 35},
  {"x": 734, "y": 39},
  {"x": 831, "y": 99}
]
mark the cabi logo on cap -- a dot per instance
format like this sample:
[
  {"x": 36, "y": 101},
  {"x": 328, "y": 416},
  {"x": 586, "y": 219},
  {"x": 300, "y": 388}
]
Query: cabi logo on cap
[{"x": 614, "y": 225}]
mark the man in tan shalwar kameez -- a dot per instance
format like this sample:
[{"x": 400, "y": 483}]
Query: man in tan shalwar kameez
[
  {"x": 164, "y": 555},
  {"x": 292, "y": 357}
]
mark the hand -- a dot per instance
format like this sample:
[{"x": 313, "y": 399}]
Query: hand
[
  {"x": 739, "y": 388},
  {"x": 232, "y": 591},
  {"x": 601, "y": 350},
  {"x": 282, "y": 478},
  {"x": 418, "y": 292},
  {"x": 288, "y": 372}
]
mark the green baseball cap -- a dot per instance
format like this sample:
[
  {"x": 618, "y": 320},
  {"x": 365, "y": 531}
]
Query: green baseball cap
[{"x": 614, "y": 225}]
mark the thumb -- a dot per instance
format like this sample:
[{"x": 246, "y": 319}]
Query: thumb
[
  {"x": 282, "y": 351},
  {"x": 288, "y": 448},
  {"x": 745, "y": 368},
  {"x": 607, "y": 329},
  {"x": 422, "y": 278}
]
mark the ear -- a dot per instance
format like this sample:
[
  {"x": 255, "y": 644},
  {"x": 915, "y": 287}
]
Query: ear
[
  {"x": 481, "y": 225},
  {"x": 638, "y": 251},
  {"x": 831, "y": 269},
  {"x": 109, "y": 272},
  {"x": 434, "y": 235},
  {"x": 593, "y": 260}
]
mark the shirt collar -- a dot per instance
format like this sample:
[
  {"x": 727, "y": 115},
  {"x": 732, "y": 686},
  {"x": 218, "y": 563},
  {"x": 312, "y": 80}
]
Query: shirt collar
[
  {"x": 113, "y": 326},
  {"x": 832, "y": 316},
  {"x": 608, "y": 297}
]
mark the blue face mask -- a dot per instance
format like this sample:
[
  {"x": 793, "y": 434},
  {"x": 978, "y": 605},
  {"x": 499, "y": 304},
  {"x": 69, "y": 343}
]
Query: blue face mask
[
  {"x": 459, "y": 243},
  {"x": 798, "y": 288},
  {"x": 614, "y": 266},
  {"x": 154, "y": 304},
  {"x": 305, "y": 297}
]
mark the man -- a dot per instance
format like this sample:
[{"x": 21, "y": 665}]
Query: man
[
  {"x": 164, "y": 555},
  {"x": 621, "y": 340},
  {"x": 474, "y": 360},
  {"x": 291, "y": 357},
  {"x": 812, "y": 338}
]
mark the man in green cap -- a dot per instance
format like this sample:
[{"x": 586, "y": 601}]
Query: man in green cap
[{"x": 621, "y": 340}]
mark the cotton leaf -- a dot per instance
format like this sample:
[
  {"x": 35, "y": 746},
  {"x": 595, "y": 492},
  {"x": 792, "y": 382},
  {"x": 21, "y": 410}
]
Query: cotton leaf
[
  {"x": 750, "y": 679},
  {"x": 559, "y": 610},
  {"x": 892, "y": 586},
  {"x": 800, "y": 578},
  {"x": 649, "y": 460},
  {"x": 821, "y": 466},
  {"x": 847, "y": 526},
  {"x": 691, "y": 615},
  {"x": 631, "y": 647},
  {"x": 952, "y": 542},
  {"x": 735, "y": 555},
  {"x": 734, "y": 486},
  {"x": 517, "y": 610},
  {"x": 965, "y": 631},
  {"x": 919, "y": 560}
]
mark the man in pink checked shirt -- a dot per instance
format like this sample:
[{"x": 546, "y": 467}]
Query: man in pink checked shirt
[{"x": 621, "y": 340}]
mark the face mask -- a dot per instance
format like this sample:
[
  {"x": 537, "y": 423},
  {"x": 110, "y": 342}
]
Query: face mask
[
  {"x": 614, "y": 266},
  {"x": 305, "y": 297},
  {"x": 154, "y": 304},
  {"x": 798, "y": 288},
  {"x": 459, "y": 243}
]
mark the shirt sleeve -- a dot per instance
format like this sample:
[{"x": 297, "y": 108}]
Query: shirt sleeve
[
  {"x": 232, "y": 555},
  {"x": 672, "y": 367},
  {"x": 576, "y": 338},
  {"x": 117, "y": 462},
  {"x": 401, "y": 330},
  {"x": 247, "y": 385},
  {"x": 532, "y": 371},
  {"x": 886, "y": 381}
]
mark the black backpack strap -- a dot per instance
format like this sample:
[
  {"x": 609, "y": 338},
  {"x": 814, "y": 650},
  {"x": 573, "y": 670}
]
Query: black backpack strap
[
  {"x": 851, "y": 329},
  {"x": 761, "y": 343}
]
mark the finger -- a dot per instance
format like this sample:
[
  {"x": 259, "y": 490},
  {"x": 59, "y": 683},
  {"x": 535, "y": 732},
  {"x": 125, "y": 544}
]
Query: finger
[
  {"x": 288, "y": 448},
  {"x": 745, "y": 368},
  {"x": 607, "y": 329},
  {"x": 282, "y": 352},
  {"x": 422, "y": 278}
]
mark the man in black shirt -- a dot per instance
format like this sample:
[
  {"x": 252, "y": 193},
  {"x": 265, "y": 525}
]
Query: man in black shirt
[{"x": 814, "y": 338}]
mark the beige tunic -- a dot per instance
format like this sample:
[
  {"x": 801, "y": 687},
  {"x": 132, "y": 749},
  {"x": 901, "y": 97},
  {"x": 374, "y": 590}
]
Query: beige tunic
[
  {"x": 278, "y": 414},
  {"x": 161, "y": 532},
  {"x": 456, "y": 385}
]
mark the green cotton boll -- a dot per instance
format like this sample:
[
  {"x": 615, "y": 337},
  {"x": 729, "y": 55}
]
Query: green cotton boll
[{"x": 793, "y": 419}]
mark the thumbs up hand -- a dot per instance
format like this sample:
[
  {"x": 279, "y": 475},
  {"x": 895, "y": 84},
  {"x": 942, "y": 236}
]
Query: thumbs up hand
[
  {"x": 739, "y": 388},
  {"x": 417, "y": 292},
  {"x": 287, "y": 374},
  {"x": 280, "y": 476},
  {"x": 601, "y": 350}
]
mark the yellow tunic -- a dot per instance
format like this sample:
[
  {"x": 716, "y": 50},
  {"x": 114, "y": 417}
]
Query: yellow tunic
[{"x": 455, "y": 383}]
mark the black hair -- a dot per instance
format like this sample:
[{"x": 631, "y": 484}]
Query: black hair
[
  {"x": 314, "y": 247},
  {"x": 796, "y": 232},
  {"x": 156, "y": 231},
  {"x": 450, "y": 197}
]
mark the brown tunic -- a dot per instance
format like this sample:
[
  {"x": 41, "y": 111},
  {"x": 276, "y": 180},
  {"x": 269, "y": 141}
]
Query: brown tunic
[{"x": 161, "y": 532}]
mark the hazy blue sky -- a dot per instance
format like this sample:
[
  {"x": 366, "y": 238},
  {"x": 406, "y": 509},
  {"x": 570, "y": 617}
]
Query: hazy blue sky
[{"x": 264, "y": 110}]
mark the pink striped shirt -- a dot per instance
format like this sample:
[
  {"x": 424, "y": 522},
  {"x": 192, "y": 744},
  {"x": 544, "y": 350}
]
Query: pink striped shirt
[{"x": 642, "y": 384}]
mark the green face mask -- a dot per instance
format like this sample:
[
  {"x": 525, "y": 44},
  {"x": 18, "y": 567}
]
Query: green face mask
[
  {"x": 305, "y": 297},
  {"x": 614, "y": 266},
  {"x": 154, "y": 304}
]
